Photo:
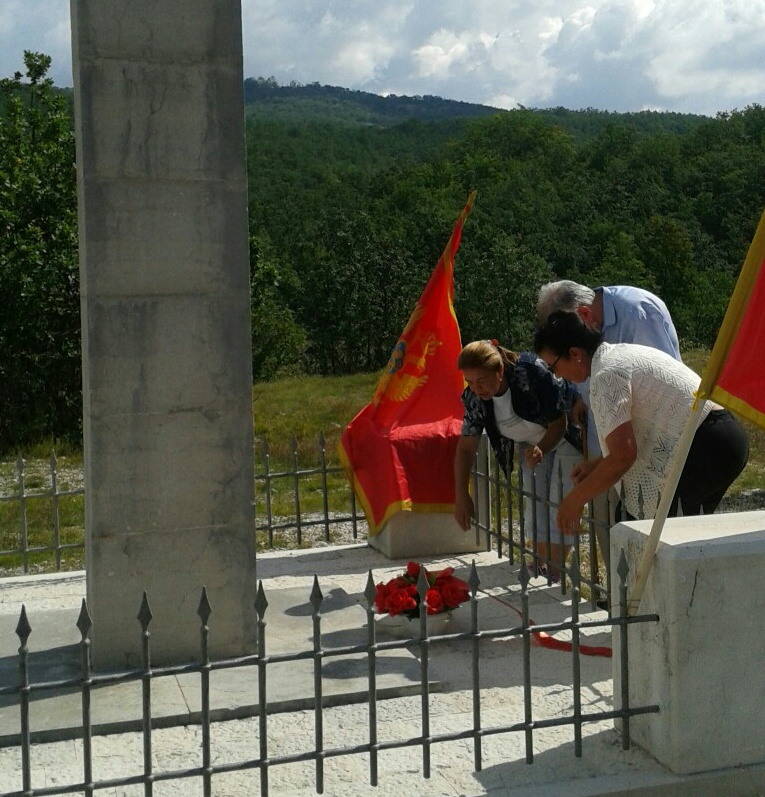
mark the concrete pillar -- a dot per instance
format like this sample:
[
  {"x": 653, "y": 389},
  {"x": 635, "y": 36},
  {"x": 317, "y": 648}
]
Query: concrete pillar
[
  {"x": 167, "y": 368},
  {"x": 702, "y": 662}
]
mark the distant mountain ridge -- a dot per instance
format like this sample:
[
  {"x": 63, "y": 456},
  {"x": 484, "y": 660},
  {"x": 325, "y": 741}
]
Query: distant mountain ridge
[
  {"x": 265, "y": 99},
  {"x": 264, "y": 96}
]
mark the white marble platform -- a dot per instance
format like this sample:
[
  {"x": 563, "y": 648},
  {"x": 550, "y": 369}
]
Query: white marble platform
[{"x": 703, "y": 662}]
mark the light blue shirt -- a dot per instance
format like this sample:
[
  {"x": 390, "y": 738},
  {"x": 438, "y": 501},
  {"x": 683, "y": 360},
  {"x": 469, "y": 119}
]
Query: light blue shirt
[{"x": 632, "y": 315}]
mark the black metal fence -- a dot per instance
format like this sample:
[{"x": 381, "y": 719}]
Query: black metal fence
[
  {"x": 281, "y": 502},
  {"x": 33, "y": 535},
  {"x": 298, "y": 505},
  {"x": 501, "y": 523},
  {"x": 26, "y": 690}
]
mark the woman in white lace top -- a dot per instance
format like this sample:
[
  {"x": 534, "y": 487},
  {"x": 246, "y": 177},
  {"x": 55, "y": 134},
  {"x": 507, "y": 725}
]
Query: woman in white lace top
[{"x": 640, "y": 400}]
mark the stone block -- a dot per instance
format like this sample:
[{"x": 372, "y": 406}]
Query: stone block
[
  {"x": 188, "y": 231},
  {"x": 171, "y": 568},
  {"x": 418, "y": 535},
  {"x": 702, "y": 662},
  {"x": 167, "y": 359}
]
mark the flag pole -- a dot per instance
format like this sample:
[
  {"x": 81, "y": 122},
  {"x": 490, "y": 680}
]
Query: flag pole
[
  {"x": 741, "y": 310},
  {"x": 673, "y": 478}
]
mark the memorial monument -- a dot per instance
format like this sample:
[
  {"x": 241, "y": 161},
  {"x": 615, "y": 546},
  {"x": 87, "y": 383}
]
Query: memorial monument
[{"x": 167, "y": 374}]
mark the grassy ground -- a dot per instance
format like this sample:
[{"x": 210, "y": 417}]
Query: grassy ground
[
  {"x": 309, "y": 406},
  {"x": 291, "y": 415},
  {"x": 304, "y": 408},
  {"x": 35, "y": 519}
]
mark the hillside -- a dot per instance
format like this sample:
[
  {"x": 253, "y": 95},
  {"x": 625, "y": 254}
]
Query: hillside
[{"x": 265, "y": 99}]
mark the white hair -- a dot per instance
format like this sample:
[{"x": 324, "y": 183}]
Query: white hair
[{"x": 562, "y": 295}]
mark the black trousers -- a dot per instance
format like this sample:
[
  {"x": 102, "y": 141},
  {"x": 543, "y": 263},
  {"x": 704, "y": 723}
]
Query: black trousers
[{"x": 718, "y": 453}]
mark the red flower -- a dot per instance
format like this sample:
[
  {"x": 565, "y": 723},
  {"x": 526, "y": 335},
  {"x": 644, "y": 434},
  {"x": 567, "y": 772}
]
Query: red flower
[
  {"x": 400, "y": 601},
  {"x": 440, "y": 574},
  {"x": 454, "y": 591},
  {"x": 400, "y": 596},
  {"x": 381, "y": 597},
  {"x": 434, "y": 601},
  {"x": 413, "y": 571}
]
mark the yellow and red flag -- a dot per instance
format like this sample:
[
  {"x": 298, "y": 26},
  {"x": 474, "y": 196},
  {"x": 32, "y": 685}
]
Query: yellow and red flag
[
  {"x": 734, "y": 375},
  {"x": 399, "y": 450}
]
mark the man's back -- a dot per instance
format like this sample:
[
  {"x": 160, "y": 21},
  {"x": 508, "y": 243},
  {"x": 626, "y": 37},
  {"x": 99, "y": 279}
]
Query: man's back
[{"x": 634, "y": 315}]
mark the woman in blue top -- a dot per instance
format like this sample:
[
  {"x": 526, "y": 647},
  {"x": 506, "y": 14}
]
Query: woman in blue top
[{"x": 516, "y": 399}]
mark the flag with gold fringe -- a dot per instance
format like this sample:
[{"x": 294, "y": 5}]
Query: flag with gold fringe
[
  {"x": 735, "y": 375},
  {"x": 398, "y": 452}
]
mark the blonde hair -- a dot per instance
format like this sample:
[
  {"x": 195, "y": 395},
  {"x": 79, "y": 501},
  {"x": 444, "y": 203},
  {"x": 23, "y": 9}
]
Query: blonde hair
[{"x": 487, "y": 355}]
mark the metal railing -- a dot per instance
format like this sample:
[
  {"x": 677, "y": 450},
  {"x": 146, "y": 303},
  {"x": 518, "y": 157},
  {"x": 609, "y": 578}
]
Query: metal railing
[
  {"x": 500, "y": 522},
  {"x": 499, "y": 504},
  {"x": 25, "y": 541},
  {"x": 206, "y": 771},
  {"x": 289, "y": 483},
  {"x": 300, "y": 505}
]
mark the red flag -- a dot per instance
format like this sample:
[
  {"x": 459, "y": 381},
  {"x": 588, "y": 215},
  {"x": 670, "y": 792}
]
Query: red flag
[
  {"x": 734, "y": 375},
  {"x": 399, "y": 450}
]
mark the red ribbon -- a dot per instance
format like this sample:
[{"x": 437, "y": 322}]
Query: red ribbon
[{"x": 544, "y": 640}]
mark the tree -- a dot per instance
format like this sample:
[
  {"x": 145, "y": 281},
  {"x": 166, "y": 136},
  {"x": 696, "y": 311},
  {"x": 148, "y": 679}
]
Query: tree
[
  {"x": 40, "y": 372},
  {"x": 361, "y": 286},
  {"x": 665, "y": 245},
  {"x": 496, "y": 285},
  {"x": 278, "y": 342}
]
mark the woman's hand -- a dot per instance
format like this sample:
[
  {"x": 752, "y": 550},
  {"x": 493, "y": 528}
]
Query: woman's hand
[
  {"x": 463, "y": 511},
  {"x": 583, "y": 469},
  {"x": 570, "y": 515},
  {"x": 533, "y": 456},
  {"x": 463, "y": 463}
]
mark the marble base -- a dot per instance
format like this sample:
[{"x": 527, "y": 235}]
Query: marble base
[
  {"x": 702, "y": 662},
  {"x": 419, "y": 535}
]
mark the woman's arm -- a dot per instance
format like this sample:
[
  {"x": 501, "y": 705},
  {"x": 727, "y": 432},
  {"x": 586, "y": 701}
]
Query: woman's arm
[
  {"x": 622, "y": 453},
  {"x": 467, "y": 446},
  {"x": 552, "y": 436}
]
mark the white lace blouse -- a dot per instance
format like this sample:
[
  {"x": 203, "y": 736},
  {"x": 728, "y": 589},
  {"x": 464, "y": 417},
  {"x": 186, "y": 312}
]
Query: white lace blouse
[{"x": 655, "y": 392}]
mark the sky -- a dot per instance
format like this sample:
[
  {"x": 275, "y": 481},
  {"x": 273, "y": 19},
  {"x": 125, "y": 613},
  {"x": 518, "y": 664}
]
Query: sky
[{"x": 690, "y": 56}]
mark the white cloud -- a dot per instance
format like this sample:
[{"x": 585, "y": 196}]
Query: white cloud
[
  {"x": 41, "y": 26},
  {"x": 688, "y": 62},
  {"x": 687, "y": 55},
  {"x": 503, "y": 101},
  {"x": 444, "y": 49}
]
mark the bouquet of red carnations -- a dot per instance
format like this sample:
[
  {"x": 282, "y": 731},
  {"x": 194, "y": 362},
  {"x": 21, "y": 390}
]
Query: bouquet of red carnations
[{"x": 400, "y": 596}]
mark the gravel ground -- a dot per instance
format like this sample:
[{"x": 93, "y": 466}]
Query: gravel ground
[{"x": 37, "y": 476}]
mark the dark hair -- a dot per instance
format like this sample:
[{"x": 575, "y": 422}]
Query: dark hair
[{"x": 564, "y": 329}]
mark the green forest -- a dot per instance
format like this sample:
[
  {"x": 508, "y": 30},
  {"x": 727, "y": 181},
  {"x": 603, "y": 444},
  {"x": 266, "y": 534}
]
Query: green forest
[{"x": 352, "y": 198}]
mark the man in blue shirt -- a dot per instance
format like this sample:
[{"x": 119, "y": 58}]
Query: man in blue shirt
[{"x": 623, "y": 314}]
